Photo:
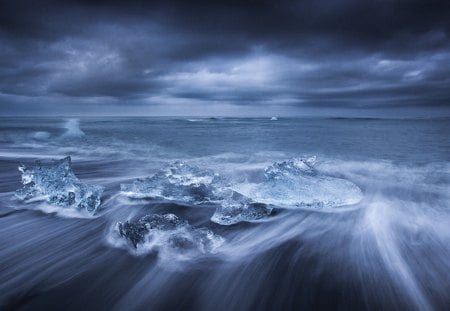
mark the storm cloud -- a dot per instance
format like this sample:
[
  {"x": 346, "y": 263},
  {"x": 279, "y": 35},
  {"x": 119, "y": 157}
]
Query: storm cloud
[{"x": 225, "y": 58}]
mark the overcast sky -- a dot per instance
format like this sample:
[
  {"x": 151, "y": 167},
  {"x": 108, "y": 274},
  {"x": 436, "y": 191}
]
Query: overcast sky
[{"x": 240, "y": 58}]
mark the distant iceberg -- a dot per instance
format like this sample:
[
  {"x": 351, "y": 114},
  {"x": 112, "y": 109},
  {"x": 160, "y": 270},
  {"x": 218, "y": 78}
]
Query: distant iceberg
[
  {"x": 57, "y": 184},
  {"x": 296, "y": 183},
  {"x": 273, "y": 119},
  {"x": 167, "y": 233}
]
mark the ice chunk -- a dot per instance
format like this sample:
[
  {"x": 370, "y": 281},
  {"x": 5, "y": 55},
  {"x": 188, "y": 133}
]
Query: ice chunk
[
  {"x": 235, "y": 208},
  {"x": 273, "y": 119},
  {"x": 297, "y": 183},
  {"x": 185, "y": 183},
  {"x": 73, "y": 130},
  {"x": 56, "y": 183},
  {"x": 136, "y": 231},
  {"x": 166, "y": 233},
  {"x": 178, "y": 182}
]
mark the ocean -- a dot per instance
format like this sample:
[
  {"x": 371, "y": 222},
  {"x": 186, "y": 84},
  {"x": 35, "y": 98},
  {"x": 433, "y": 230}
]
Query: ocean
[{"x": 245, "y": 213}]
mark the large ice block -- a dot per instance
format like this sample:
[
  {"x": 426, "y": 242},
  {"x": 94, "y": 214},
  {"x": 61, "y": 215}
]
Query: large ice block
[
  {"x": 296, "y": 183},
  {"x": 178, "y": 181},
  {"x": 57, "y": 184}
]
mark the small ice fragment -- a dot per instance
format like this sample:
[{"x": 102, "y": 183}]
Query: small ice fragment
[
  {"x": 291, "y": 168},
  {"x": 237, "y": 208},
  {"x": 273, "y": 119},
  {"x": 136, "y": 231},
  {"x": 168, "y": 232},
  {"x": 58, "y": 185}
]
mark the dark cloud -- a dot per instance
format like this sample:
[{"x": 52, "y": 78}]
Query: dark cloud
[{"x": 216, "y": 57}]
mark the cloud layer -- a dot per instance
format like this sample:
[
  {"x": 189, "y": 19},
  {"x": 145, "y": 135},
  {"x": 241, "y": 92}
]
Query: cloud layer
[{"x": 229, "y": 58}]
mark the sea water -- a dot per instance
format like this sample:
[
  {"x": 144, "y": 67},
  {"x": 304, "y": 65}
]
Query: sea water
[{"x": 259, "y": 225}]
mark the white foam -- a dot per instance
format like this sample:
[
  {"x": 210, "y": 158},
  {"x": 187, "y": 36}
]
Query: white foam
[{"x": 73, "y": 130}]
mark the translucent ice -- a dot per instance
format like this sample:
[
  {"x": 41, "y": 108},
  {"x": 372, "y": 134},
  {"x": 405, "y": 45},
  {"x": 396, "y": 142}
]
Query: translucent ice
[
  {"x": 56, "y": 183},
  {"x": 178, "y": 182},
  {"x": 234, "y": 208},
  {"x": 185, "y": 183},
  {"x": 297, "y": 183},
  {"x": 167, "y": 233}
]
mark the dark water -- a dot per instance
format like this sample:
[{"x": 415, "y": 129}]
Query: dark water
[{"x": 390, "y": 251}]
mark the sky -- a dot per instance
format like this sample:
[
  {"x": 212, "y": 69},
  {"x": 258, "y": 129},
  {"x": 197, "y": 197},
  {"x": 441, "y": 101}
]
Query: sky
[{"x": 225, "y": 58}]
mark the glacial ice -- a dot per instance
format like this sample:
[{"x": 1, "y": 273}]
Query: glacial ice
[
  {"x": 58, "y": 185},
  {"x": 235, "y": 208},
  {"x": 182, "y": 182},
  {"x": 289, "y": 184},
  {"x": 296, "y": 182},
  {"x": 178, "y": 182},
  {"x": 168, "y": 232}
]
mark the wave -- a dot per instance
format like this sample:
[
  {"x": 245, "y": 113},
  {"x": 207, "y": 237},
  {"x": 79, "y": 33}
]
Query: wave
[
  {"x": 41, "y": 135},
  {"x": 72, "y": 129},
  {"x": 404, "y": 216}
]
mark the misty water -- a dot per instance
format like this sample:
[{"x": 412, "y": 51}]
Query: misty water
[{"x": 225, "y": 214}]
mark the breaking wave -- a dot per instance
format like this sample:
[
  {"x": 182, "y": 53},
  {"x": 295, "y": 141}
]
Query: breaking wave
[
  {"x": 72, "y": 129},
  {"x": 41, "y": 135}
]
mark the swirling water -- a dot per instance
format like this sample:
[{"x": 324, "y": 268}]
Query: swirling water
[{"x": 382, "y": 242}]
